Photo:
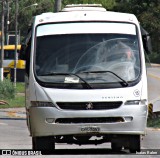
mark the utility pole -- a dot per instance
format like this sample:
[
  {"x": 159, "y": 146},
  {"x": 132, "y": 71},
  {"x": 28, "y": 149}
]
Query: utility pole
[
  {"x": 16, "y": 42},
  {"x": 2, "y": 41},
  {"x": 57, "y": 5},
  {"x": 7, "y": 22}
]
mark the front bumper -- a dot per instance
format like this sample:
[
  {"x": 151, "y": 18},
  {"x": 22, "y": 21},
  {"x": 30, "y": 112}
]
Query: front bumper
[{"x": 134, "y": 121}]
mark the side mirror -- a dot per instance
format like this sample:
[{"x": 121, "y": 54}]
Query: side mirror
[
  {"x": 22, "y": 54},
  {"x": 146, "y": 41}
]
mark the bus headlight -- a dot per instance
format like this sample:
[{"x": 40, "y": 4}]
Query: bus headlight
[
  {"x": 136, "y": 102},
  {"x": 132, "y": 102},
  {"x": 41, "y": 104}
]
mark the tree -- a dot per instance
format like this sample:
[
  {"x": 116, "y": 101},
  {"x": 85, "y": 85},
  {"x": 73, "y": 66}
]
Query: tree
[
  {"x": 148, "y": 13},
  {"x": 26, "y": 13}
]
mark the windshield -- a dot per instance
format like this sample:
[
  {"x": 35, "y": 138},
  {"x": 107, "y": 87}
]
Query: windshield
[{"x": 81, "y": 54}]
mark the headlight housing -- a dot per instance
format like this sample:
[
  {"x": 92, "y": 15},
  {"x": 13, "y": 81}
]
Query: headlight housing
[
  {"x": 132, "y": 102},
  {"x": 41, "y": 104},
  {"x": 136, "y": 102}
]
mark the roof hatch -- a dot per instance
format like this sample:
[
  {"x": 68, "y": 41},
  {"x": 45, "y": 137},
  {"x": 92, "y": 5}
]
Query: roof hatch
[{"x": 83, "y": 7}]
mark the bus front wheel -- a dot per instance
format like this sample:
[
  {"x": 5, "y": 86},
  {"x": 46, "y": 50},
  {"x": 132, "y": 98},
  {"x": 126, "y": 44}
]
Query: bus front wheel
[{"x": 43, "y": 143}]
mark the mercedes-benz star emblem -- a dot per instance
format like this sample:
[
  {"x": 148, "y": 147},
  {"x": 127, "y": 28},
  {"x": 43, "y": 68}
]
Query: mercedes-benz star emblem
[{"x": 89, "y": 106}]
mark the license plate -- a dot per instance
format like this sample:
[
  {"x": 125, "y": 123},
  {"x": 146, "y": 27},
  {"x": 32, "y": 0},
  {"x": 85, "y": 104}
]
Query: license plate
[{"x": 90, "y": 129}]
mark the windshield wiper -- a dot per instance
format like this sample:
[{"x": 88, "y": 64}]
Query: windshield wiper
[
  {"x": 125, "y": 83},
  {"x": 59, "y": 73}
]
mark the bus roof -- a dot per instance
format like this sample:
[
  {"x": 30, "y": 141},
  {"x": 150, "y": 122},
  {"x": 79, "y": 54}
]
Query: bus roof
[
  {"x": 11, "y": 47},
  {"x": 77, "y": 16}
]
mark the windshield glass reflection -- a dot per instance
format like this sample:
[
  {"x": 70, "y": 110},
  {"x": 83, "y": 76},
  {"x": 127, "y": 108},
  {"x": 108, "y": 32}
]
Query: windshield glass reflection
[{"x": 78, "y": 53}]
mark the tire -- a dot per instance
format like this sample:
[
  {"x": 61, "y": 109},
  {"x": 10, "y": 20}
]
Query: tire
[
  {"x": 116, "y": 147},
  {"x": 134, "y": 144},
  {"x": 43, "y": 143}
]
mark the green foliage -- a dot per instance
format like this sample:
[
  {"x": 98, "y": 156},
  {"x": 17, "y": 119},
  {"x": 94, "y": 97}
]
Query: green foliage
[
  {"x": 153, "y": 122},
  {"x": 7, "y": 89},
  {"x": 19, "y": 96},
  {"x": 18, "y": 101},
  {"x": 26, "y": 11},
  {"x": 148, "y": 13},
  {"x": 154, "y": 58},
  {"x": 20, "y": 87}
]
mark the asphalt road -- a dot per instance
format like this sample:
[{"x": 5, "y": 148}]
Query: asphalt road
[
  {"x": 14, "y": 134},
  {"x": 153, "y": 74}
]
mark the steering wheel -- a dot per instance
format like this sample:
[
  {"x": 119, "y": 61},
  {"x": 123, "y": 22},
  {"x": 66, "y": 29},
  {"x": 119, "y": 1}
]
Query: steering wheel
[{"x": 87, "y": 68}]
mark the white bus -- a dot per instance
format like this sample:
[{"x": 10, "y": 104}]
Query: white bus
[{"x": 86, "y": 78}]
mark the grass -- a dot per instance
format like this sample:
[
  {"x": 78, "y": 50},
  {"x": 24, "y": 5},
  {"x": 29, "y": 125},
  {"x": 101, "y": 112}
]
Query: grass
[
  {"x": 19, "y": 100},
  {"x": 153, "y": 122},
  {"x": 20, "y": 87}
]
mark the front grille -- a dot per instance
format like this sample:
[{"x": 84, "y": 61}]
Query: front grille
[
  {"x": 89, "y": 120},
  {"x": 89, "y": 105}
]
